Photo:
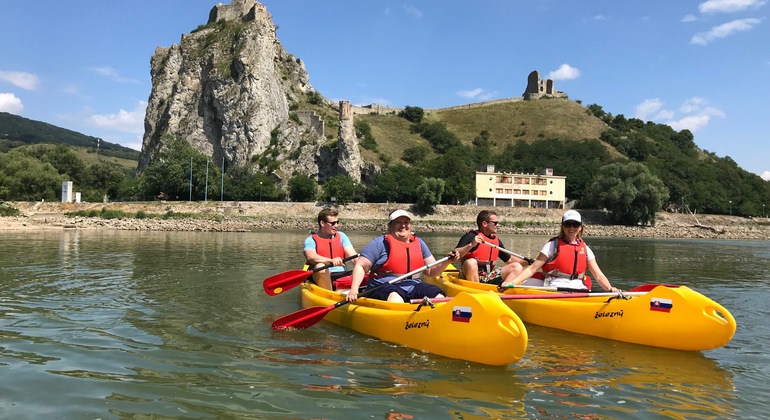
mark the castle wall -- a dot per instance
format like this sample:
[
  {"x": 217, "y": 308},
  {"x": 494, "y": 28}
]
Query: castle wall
[{"x": 312, "y": 120}]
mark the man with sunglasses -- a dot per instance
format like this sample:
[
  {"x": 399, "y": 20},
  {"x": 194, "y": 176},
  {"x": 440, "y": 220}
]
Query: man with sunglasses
[
  {"x": 480, "y": 258},
  {"x": 328, "y": 246},
  {"x": 564, "y": 260}
]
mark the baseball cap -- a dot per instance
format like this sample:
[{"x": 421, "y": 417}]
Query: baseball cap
[
  {"x": 398, "y": 213},
  {"x": 571, "y": 215}
]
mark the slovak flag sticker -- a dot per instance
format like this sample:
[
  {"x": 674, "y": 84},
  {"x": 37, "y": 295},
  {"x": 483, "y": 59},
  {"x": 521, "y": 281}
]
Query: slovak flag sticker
[
  {"x": 461, "y": 314},
  {"x": 661, "y": 305}
]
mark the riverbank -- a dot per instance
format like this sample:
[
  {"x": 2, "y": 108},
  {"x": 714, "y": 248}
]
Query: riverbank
[{"x": 214, "y": 216}]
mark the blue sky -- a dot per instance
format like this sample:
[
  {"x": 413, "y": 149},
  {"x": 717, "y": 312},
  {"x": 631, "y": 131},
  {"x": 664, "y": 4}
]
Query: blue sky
[{"x": 700, "y": 65}]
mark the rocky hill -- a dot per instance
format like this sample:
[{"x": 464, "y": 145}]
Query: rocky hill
[{"x": 231, "y": 90}]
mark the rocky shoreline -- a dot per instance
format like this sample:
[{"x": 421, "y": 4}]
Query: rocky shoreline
[{"x": 252, "y": 216}]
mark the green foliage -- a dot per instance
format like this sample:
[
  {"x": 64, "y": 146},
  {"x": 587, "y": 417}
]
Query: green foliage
[
  {"x": 412, "y": 114},
  {"x": 25, "y": 178},
  {"x": 458, "y": 170},
  {"x": 176, "y": 169},
  {"x": 397, "y": 183},
  {"x": 302, "y": 188},
  {"x": 629, "y": 191},
  {"x": 20, "y": 129},
  {"x": 343, "y": 189},
  {"x": 429, "y": 193},
  {"x": 415, "y": 154},
  {"x": 364, "y": 132},
  {"x": 438, "y": 135},
  {"x": 314, "y": 98},
  {"x": 8, "y": 211}
]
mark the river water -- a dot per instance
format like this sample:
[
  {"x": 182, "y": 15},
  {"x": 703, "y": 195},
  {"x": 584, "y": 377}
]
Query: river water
[{"x": 115, "y": 324}]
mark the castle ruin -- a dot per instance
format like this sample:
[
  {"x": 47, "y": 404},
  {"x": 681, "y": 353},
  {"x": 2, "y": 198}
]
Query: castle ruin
[
  {"x": 243, "y": 10},
  {"x": 537, "y": 88}
]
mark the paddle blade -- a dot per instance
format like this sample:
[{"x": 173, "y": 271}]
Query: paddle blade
[
  {"x": 301, "y": 319},
  {"x": 278, "y": 283}
]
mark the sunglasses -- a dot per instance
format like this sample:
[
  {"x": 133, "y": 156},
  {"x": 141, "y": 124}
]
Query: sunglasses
[
  {"x": 496, "y": 222},
  {"x": 334, "y": 223},
  {"x": 571, "y": 224}
]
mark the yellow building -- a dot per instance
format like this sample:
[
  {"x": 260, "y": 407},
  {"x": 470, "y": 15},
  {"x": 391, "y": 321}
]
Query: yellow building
[{"x": 520, "y": 190}]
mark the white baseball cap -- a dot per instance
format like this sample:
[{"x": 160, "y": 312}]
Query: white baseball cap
[
  {"x": 398, "y": 213},
  {"x": 571, "y": 215}
]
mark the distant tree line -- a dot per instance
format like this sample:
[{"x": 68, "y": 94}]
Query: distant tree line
[{"x": 655, "y": 168}]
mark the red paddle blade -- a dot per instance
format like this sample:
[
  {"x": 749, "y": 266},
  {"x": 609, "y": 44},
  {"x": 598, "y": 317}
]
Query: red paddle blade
[
  {"x": 302, "y": 319},
  {"x": 648, "y": 287},
  {"x": 281, "y": 282}
]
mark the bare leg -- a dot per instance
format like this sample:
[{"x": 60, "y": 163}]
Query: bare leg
[
  {"x": 323, "y": 278},
  {"x": 471, "y": 269}
]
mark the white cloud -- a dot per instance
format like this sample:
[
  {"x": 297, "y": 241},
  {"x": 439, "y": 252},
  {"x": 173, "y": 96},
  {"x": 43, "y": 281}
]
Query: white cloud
[
  {"x": 564, "y": 72},
  {"x": 412, "y": 11},
  {"x": 10, "y": 103},
  {"x": 477, "y": 94},
  {"x": 647, "y": 108},
  {"x": 697, "y": 114},
  {"x": 729, "y": 6},
  {"x": 128, "y": 121},
  {"x": 689, "y": 18},
  {"x": 724, "y": 30},
  {"x": 766, "y": 175},
  {"x": 599, "y": 17},
  {"x": 20, "y": 79},
  {"x": 113, "y": 74}
]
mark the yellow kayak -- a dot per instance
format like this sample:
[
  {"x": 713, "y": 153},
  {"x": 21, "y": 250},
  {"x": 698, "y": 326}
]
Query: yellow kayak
[
  {"x": 674, "y": 317},
  {"x": 473, "y": 327}
]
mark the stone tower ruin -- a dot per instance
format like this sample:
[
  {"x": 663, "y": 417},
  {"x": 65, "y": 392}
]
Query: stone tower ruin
[{"x": 537, "y": 88}]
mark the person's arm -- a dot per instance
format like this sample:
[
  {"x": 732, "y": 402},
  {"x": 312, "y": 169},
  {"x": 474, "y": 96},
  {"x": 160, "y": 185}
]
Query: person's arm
[
  {"x": 467, "y": 243},
  {"x": 529, "y": 271},
  {"x": 363, "y": 265},
  {"x": 349, "y": 250},
  {"x": 604, "y": 282}
]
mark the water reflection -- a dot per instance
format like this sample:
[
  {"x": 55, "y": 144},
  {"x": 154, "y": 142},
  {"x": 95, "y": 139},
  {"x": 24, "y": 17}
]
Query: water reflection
[{"x": 155, "y": 324}]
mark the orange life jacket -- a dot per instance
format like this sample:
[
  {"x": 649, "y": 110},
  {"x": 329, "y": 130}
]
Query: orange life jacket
[
  {"x": 329, "y": 248},
  {"x": 483, "y": 252},
  {"x": 403, "y": 257},
  {"x": 570, "y": 262}
]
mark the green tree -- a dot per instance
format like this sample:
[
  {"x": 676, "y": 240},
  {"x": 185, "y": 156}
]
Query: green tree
[
  {"x": 364, "y": 132},
  {"x": 397, "y": 183},
  {"x": 629, "y": 192},
  {"x": 429, "y": 193},
  {"x": 302, "y": 188},
  {"x": 343, "y": 189},
  {"x": 412, "y": 114},
  {"x": 172, "y": 170},
  {"x": 25, "y": 178},
  {"x": 415, "y": 154}
]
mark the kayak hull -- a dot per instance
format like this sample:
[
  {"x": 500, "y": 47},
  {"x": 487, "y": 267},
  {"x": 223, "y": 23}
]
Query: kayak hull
[
  {"x": 473, "y": 327},
  {"x": 674, "y": 317}
]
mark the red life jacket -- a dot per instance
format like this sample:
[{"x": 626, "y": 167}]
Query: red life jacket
[
  {"x": 483, "y": 252},
  {"x": 403, "y": 257},
  {"x": 329, "y": 248},
  {"x": 570, "y": 262}
]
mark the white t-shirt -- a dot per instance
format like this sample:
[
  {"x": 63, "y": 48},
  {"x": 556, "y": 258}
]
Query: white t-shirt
[{"x": 549, "y": 250}]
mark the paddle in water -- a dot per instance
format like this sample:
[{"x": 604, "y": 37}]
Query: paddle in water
[
  {"x": 279, "y": 283},
  {"x": 310, "y": 316}
]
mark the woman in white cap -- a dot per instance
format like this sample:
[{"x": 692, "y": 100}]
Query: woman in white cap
[
  {"x": 396, "y": 253},
  {"x": 564, "y": 260}
]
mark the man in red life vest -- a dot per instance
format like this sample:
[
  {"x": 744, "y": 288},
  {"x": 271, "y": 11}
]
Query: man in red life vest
[
  {"x": 480, "y": 258},
  {"x": 397, "y": 252},
  {"x": 328, "y": 246}
]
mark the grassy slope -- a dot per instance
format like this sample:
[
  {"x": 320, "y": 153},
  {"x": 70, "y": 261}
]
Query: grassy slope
[{"x": 507, "y": 123}]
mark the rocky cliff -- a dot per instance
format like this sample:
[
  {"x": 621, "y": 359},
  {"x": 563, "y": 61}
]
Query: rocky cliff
[{"x": 231, "y": 90}]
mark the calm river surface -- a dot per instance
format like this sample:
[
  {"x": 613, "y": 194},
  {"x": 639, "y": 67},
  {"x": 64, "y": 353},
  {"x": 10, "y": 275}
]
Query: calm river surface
[{"x": 114, "y": 324}]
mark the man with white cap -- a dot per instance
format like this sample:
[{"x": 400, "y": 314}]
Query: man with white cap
[
  {"x": 564, "y": 260},
  {"x": 396, "y": 253}
]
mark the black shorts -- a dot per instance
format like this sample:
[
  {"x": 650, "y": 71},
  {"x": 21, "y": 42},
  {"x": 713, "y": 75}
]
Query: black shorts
[{"x": 419, "y": 291}]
